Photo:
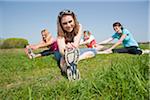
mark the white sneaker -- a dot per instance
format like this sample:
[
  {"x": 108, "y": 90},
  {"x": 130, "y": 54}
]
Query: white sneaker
[
  {"x": 146, "y": 51},
  {"x": 29, "y": 50},
  {"x": 30, "y": 53}
]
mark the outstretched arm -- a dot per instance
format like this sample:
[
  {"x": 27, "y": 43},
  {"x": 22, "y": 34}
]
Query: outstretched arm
[
  {"x": 108, "y": 51},
  {"x": 77, "y": 38},
  {"x": 87, "y": 41},
  {"x": 106, "y": 41},
  {"x": 61, "y": 44},
  {"x": 114, "y": 46},
  {"x": 118, "y": 42},
  {"x": 42, "y": 44}
]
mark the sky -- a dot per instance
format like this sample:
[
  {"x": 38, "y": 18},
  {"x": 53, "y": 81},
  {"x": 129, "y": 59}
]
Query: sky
[{"x": 26, "y": 18}]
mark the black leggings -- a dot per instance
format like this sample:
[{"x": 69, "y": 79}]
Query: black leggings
[
  {"x": 46, "y": 52},
  {"x": 130, "y": 50}
]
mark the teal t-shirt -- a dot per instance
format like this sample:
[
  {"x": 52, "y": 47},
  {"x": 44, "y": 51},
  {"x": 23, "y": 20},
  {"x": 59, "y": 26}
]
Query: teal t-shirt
[{"x": 128, "y": 41}]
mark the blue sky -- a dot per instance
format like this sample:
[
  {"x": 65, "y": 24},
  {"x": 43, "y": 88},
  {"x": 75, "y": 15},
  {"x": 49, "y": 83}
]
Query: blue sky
[{"x": 26, "y": 18}]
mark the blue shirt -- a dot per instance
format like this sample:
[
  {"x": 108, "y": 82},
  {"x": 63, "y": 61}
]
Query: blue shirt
[{"x": 128, "y": 41}]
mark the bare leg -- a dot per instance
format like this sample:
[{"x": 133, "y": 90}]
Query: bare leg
[
  {"x": 37, "y": 55},
  {"x": 100, "y": 47},
  {"x": 86, "y": 55},
  {"x": 104, "y": 52}
]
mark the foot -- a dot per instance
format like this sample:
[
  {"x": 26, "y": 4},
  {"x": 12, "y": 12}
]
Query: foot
[
  {"x": 146, "y": 51},
  {"x": 71, "y": 56},
  {"x": 30, "y": 53}
]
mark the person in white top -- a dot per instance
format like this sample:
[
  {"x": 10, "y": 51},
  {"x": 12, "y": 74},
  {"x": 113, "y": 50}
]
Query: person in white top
[{"x": 90, "y": 41}]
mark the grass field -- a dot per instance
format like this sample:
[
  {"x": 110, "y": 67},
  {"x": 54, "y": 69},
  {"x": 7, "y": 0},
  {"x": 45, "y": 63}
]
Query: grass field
[{"x": 104, "y": 77}]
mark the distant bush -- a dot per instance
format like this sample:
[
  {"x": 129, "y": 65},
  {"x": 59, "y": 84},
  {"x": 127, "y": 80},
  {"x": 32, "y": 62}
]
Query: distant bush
[
  {"x": 144, "y": 45},
  {"x": 1, "y": 42},
  {"x": 14, "y": 43}
]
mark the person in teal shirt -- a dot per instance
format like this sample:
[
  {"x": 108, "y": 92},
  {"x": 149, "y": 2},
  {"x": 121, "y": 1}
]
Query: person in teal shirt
[{"x": 125, "y": 38}]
